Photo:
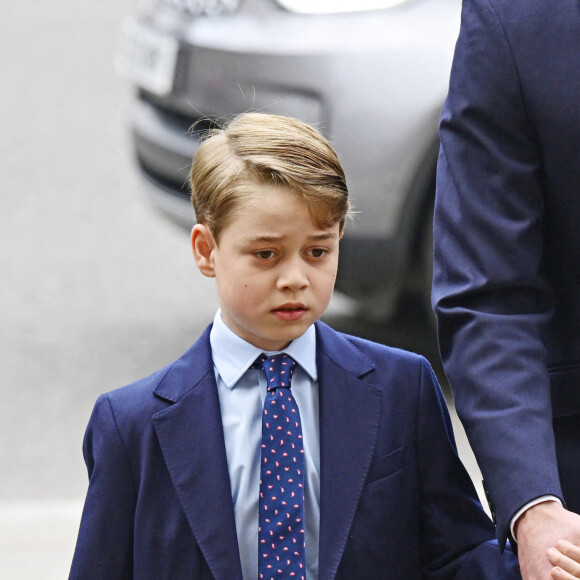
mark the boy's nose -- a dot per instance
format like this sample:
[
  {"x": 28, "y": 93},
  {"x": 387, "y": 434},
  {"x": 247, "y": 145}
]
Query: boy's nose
[{"x": 292, "y": 275}]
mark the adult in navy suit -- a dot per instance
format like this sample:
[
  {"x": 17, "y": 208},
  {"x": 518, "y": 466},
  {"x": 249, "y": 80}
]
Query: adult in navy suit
[
  {"x": 395, "y": 500},
  {"x": 507, "y": 261}
]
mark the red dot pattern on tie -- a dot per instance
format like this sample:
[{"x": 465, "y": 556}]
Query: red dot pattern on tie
[{"x": 281, "y": 548}]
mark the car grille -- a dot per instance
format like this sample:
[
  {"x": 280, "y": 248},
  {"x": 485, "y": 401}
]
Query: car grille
[{"x": 193, "y": 8}]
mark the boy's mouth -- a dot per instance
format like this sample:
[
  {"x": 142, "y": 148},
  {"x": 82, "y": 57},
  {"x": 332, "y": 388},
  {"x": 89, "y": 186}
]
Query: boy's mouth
[{"x": 290, "y": 312}]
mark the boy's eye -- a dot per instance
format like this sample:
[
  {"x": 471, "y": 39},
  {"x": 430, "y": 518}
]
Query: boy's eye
[
  {"x": 318, "y": 252},
  {"x": 264, "y": 254}
]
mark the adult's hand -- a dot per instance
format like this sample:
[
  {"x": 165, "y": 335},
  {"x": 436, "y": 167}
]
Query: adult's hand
[
  {"x": 539, "y": 529},
  {"x": 566, "y": 559}
]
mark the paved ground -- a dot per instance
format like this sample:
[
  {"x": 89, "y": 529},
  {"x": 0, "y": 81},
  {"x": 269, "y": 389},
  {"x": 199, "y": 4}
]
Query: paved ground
[{"x": 96, "y": 289}]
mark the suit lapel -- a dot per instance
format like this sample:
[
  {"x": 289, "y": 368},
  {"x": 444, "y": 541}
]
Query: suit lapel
[
  {"x": 349, "y": 417},
  {"x": 191, "y": 436}
]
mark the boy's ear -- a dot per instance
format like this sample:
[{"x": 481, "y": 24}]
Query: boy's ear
[{"x": 202, "y": 245}]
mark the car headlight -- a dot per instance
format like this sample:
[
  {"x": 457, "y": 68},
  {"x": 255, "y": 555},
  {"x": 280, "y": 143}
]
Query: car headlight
[{"x": 336, "y": 6}]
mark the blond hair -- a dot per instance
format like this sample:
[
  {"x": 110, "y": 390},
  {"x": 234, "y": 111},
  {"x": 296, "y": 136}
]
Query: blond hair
[{"x": 265, "y": 149}]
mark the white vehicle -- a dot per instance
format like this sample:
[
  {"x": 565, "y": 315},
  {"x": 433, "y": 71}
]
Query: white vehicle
[{"x": 371, "y": 74}]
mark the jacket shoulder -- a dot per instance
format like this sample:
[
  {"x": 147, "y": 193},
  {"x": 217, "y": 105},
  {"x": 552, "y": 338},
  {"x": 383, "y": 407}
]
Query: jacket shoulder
[
  {"x": 384, "y": 359},
  {"x": 165, "y": 386}
]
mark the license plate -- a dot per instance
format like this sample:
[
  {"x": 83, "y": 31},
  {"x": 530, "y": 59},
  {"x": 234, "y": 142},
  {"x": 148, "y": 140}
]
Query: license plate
[{"x": 147, "y": 57}]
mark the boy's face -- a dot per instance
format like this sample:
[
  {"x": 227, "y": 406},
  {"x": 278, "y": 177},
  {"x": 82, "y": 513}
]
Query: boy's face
[{"x": 274, "y": 268}]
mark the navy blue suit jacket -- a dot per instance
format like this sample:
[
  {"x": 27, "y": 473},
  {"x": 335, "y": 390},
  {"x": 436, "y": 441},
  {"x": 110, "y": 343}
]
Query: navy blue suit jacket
[
  {"x": 507, "y": 246},
  {"x": 395, "y": 500}
]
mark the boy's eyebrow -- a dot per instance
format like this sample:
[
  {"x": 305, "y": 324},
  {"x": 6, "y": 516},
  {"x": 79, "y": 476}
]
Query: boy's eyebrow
[
  {"x": 324, "y": 236},
  {"x": 314, "y": 238}
]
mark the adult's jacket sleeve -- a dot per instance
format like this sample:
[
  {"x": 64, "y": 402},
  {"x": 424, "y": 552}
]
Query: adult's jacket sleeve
[{"x": 490, "y": 294}]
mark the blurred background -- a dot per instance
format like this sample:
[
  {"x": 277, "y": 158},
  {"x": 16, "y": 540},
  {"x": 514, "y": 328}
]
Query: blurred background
[{"x": 98, "y": 288}]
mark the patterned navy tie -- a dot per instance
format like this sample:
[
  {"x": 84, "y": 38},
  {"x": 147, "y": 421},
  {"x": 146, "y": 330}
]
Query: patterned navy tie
[{"x": 281, "y": 547}]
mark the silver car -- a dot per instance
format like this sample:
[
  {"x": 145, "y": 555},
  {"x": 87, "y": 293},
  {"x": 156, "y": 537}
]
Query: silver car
[{"x": 371, "y": 74}]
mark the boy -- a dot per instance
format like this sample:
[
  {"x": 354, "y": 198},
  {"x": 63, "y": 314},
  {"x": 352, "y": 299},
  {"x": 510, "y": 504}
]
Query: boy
[{"x": 331, "y": 458}]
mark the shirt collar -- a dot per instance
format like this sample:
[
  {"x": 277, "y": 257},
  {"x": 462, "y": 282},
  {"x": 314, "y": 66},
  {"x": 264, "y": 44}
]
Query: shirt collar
[{"x": 233, "y": 356}]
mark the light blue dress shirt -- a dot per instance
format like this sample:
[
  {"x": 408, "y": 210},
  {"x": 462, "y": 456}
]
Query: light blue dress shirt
[{"x": 241, "y": 394}]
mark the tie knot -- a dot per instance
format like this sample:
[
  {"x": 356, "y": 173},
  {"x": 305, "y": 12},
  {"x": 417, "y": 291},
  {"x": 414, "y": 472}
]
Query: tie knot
[{"x": 278, "y": 370}]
